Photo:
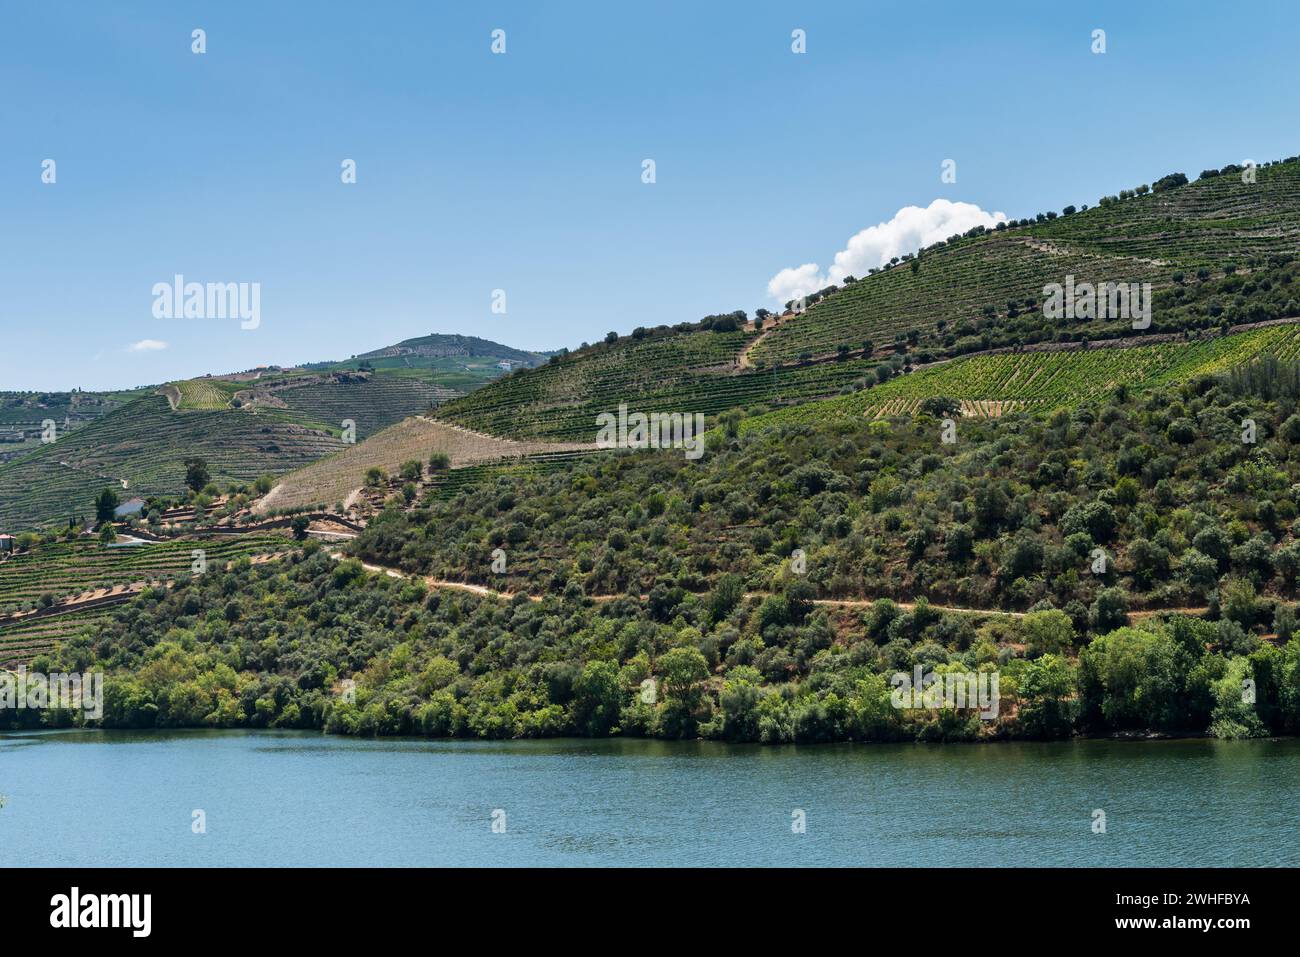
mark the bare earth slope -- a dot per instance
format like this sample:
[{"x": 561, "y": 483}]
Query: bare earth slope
[{"x": 332, "y": 480}]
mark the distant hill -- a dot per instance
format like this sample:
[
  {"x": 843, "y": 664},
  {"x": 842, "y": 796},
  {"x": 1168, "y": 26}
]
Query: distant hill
[
  {"x": 262, "y": 421},
  {"x": 433, "y": 350},
  {"x": 242, "y": 426},
  {"x": 23, "y": 415}
]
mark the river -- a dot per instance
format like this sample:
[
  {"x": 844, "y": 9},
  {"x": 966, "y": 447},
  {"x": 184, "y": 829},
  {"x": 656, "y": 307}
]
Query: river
[{"x": 298, "y": 798}]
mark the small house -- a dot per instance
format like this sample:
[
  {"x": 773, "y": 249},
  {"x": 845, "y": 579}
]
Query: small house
[{"x": 6, "y": 544}]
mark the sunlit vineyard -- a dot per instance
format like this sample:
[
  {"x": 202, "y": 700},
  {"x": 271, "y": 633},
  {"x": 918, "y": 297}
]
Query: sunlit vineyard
[
  {"x": 946, "y": 299},
  {"x": 205, "y": 394},
  {"x": 962, "y": 291},
  {"x": 62, "y": 569},
  {"x": 23, "y": 639},
  {"x": 681, "y": 372},
  {"x": 1200, "y": 224},
  {"x": 992, "y": 385}
]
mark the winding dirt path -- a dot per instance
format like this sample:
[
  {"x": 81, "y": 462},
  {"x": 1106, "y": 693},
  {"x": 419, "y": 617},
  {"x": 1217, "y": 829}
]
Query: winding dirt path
[{"x": 485, "y": 592}]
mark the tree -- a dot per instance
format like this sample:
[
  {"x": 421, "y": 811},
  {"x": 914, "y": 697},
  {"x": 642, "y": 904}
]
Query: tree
[
  {"x": 106, "y": 503},
  {"x": 299, "y": 525},
  {"x": 1048, "y": 632},
  {"x": 597, "y": 698},
  {"x": 439, "y": 462},
  {"x": 726, "y": 596},
  {"x": 1237, "y": 599},
  {"x": 940, "y": 406},
  {"x": 196, "y": 474},
  {"x": 1109, "y": 611},
  {"x": 1128, "y": 680},
  {"x": 1045, "y": 689},
  {"x": 683, "y": 669}
]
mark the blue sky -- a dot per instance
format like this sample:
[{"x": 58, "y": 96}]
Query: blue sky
[{"x": 522, "y": 171}]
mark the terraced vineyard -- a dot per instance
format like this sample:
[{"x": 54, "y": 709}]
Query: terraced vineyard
[
  {"x": 1207, "y": 223},
  {"x": 996, "y": 384},
  {"x": 205, "y": 394},
  {"x": 144, "y": 443},
  {"x": 964, "y": 297},
  {"x": 242, "y": 426},
  {"x": 24, "y": 639},
  {"x": 1200, "y": 224},
  {"x": 62, "y": 569},
  {"x": 954, "y": 285},
  {"x": 447, "y": 485},
  {"x": 22, "y": 415},
  {"x": 388, "y": 397},
  {"x": 682, "y": 372}
]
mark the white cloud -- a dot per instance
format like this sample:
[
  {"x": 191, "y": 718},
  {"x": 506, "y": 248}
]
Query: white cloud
[
  {"x": 911, "y": 228},
  {"x": 146, "y": 345}
]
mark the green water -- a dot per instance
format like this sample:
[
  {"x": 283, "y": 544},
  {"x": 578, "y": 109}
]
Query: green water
[{"x": 287, "y": 798}]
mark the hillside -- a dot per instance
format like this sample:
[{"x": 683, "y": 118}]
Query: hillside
[
  {"x": 1199, "y": 245},
  {"x": 23, "y": 414},
  {"x": 243, "y": 426},
  {"x": 448, "y": 354},
  {"x": 139, "y": 449},
  {"x": 996, "y": 384},
  {"x": 986, "y": 290},
  {"x": 1101, "y": 534},
  {"x": 672, "y": 371},
  {"x": 439, "y": 346},
  {"x": 332, "y": 481},
  {"x": 769, "y": 591}
]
